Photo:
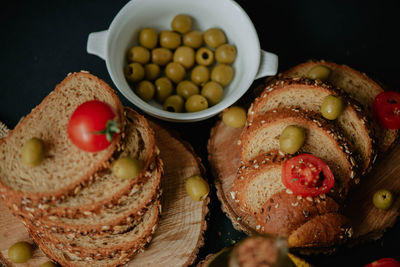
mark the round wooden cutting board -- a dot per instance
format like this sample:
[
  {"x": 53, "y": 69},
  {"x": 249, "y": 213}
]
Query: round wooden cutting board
[
  {"x": 368, "y": 221},
  {"x": 182, "y": 224}
]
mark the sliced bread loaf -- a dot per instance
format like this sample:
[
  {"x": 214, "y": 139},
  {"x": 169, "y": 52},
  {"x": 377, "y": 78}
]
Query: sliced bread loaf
[
  {"x": 102, "y": 246},
  {"x": 106, "y": 189},
  {"x": 305, "y": 221},
  {"x": 258, "y": 180},
  {"x": 110, "y": 250},
  {"x": 322, "y": 140},
  {"x": 358, "y": 85},
  {"x": 309, "y": 94},
  {"x": 112, "y": 219},
  {"x": 65, "y": 167}
]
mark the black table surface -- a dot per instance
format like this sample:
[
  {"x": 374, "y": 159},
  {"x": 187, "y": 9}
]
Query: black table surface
[{"x": 43, "y": 41}]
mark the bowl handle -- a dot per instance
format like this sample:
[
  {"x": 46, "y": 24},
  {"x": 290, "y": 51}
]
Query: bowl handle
[
  {"x": 268, "y": 64},
  {"x": 96, "y": 44}
]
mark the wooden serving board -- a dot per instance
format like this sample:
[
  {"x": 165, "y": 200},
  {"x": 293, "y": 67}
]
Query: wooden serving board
[
  {"x": 368, "y": 221},
  {"x": 182, "y": 224}
]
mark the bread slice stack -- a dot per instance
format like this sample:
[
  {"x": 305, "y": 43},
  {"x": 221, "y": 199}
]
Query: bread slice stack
[
  {"x": 348, "y": 145},
  {"x": 77, "y": 211}
]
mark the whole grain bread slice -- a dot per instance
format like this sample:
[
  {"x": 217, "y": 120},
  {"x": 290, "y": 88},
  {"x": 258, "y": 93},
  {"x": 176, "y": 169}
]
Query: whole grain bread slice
[
  {"x": 112, "y": 219},
  {"x": 109, "y": 250},
  {"x": 358, "y": 85},
  {"x": 309, "y": 94},
  {"x": 323, "y": 140},
  {"x": 258, "y": 180},
  {"x": 65, "y": 167},
  {"x": 105, "y": 190}
]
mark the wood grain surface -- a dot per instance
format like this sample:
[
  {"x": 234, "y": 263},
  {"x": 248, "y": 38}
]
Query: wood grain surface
[
  {"x": 182, "y": 224},
  {"x": 368, "y": 221}
]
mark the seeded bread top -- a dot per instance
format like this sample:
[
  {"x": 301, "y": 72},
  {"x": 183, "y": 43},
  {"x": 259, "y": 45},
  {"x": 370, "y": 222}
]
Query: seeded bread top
[
  {"x": 358, "y": 85},
  {"x": 323, "y": 140},
  {"x": 309, "y": 94},
  {"x": 65, "y": 166}
]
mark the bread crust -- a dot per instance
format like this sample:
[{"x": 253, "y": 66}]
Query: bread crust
[
  {"x": 14, "y": 198},
  {"x": 353, "y": 111}
]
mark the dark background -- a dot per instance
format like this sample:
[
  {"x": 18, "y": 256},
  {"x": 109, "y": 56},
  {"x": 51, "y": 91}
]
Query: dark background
[{"x": 42, "y": 41}]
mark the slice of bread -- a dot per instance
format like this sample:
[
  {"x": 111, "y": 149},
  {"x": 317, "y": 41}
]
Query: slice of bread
[
  {"x": 102, "y": 246},
  {"x": 299, "y": 219},
  {"x": 258, "y": 180},
  {"x": 138, "y": 142},
  {"x": 309, "y": 94},
  {"x": 358, "y": 85},
  {"x": 65, "y": 167},
  {"x": 108, "y": 251},
  {"x": 112, "y": 219},
  {"x": 322, "y": 140}
]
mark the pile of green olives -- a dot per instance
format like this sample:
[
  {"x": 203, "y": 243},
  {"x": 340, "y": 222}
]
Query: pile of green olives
[{"x": 183, "y": 69}]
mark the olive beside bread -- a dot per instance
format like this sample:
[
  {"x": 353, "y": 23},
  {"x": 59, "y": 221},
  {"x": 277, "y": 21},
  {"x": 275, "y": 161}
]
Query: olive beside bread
[
  {"x": 197, "y": 188},
  {"x": 292, "y": 139},
  {"x": 234, "y": 116},
  {"x": 20, "y": 252},
  {"x": 181, "y": 62},
  {"x": 126, "y": 167}
]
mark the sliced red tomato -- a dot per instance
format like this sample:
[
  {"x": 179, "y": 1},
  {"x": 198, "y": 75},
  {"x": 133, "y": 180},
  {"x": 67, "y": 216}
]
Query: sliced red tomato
[
  {"x": 384, "y": 262},
  {"x": 386, "y": 109},
  {"x": 307, "y": 175},
  {"x": 92, "y": 126}
]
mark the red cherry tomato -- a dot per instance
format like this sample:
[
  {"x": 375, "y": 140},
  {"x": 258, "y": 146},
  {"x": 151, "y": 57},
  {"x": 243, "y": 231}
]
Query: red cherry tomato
[
  {"x": 386, "y": 108},
  {"x": 92, "y": 126},
  {"x": 384, "y": 262},
  {"x": 307, "y": 175}
]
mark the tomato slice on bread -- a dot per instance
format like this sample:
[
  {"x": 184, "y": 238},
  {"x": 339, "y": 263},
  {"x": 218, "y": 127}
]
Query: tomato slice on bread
[
  {"x": 92, "y": 126},
  {"x": 386, "y": 109},
  {"x": 307, "y": 175}
]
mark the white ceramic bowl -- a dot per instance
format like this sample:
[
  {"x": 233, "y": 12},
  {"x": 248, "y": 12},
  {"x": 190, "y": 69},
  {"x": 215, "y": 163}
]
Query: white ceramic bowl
[{"x": 251, "y": 62}]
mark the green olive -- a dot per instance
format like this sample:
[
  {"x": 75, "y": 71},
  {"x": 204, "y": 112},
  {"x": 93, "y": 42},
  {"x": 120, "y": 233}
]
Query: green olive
[
  {"x": 187, "y": 88},
  {"x": 145, "y": 90},
  {"x": 152, "y": 71},
  {"x": 134, "y": 72},
  {"x": 234, "y": 117},
  {"x": 32, "y": 152},
  {"x": 175, "y": 71},
  {"x": 148, "y": 37},
  {"x": 170, "y": 39},
  {"x": 213, "y": 91},
  {"x": 204, "y": 56},
  {"x": 196, "y": 103},
  {"x": 20, "y": 252},
  {"x": 222, "y": 74},
  {"x": 193, "y": 39},
  {"x": 319, "y": 72},
  {"x": 185, "y": 56},
  {"x": 382, "y": 199},
  {"x": 174, "y": 103},
  {"x": 225, "y": 53},
  {"x": 214, "y": 37},
  {"x": 48, "y": 264},
  {"x": 292, "y": 139},
  {"x": 197, "y": 188},
  {"x": 200, "y": 74},
  {"x": 164, "y": 88},
  {"x": 181, "y": 23},
  {"x": 161, "y": 56},
  {"x": 126, "y": 168},
  {"x": 139, "y": 54},
  {"x": 332, "y": 107}
]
